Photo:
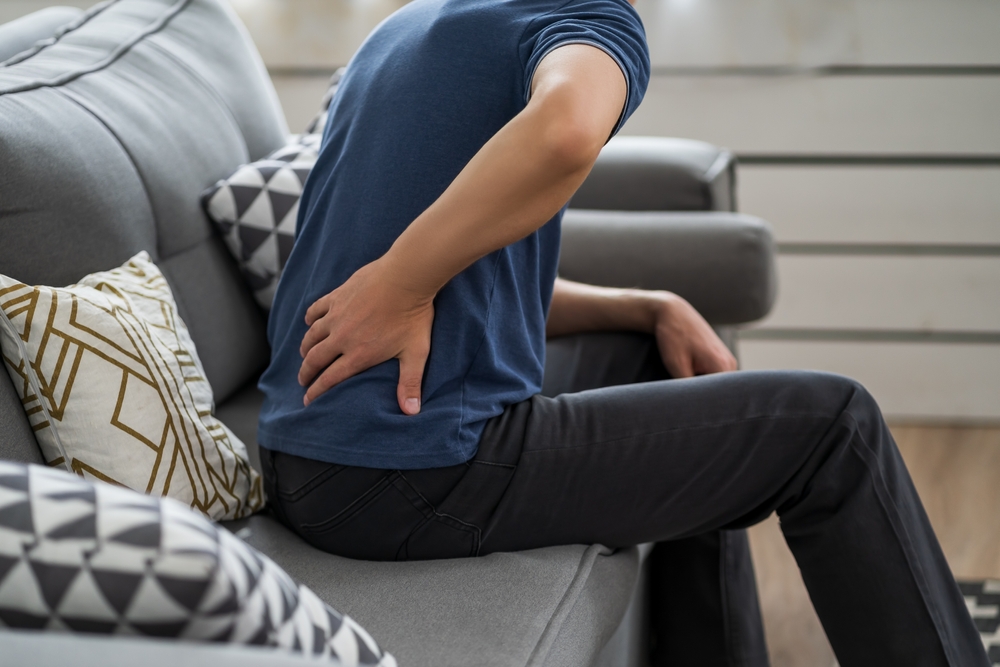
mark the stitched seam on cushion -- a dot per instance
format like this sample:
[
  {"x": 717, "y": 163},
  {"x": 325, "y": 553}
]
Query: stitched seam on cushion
[
  {"x": 121, "y": 144},
  {"x": 35, "y": 387},
  {"x": 894, "y": 516},
  {"x": 119, "y": 51},
  {"x": 72, "y": 26},
  {"x": 210, "y": 89},
  {"x": 599, "y": 443},
  {"x": 562, "y": 611}
]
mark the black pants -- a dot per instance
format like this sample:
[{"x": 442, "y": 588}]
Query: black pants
[{"x": 686, "y": 464}]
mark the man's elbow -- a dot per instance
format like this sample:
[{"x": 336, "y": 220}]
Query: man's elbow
[
  {"x": 574, "y": 147},
  {"x": 571, "y": 141}
]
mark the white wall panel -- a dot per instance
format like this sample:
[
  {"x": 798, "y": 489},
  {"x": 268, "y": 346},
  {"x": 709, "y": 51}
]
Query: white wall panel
[
  {"x": 878, "y": 292},
  {"x": 311, "y": 33},
  {"x": 300, "y": 97},
  {"x": 875, "y": 204},
  {"x": 910, "y": 381},
  {"x": 826, "y": 114},
  {"x": 723, "y": 33},
  {"x": 698, "y": 33}
]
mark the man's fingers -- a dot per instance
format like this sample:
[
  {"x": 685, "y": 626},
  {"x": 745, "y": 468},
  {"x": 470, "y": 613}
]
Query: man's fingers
[
  {"x": 337, "y": 372},
  {"x": 313, "y": 337},
  {"x": 318, "y": 358},
  {"x": 317, "y": 310},
  {"x": 682, "y": 366},
  {"x": 411, "y": 377}
]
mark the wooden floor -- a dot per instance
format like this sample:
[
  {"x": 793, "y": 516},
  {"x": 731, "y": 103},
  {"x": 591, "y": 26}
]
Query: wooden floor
[{"x": 956, "y": 471}]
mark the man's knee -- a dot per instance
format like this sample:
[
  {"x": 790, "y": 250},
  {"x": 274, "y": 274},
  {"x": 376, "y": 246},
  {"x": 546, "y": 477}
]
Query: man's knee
[{"x": 823, "y": 394}]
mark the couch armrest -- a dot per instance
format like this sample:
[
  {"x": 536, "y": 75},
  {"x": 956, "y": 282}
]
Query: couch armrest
[
  {"x": 659, "y": 174},
  {"x": 723, "y": 263}
]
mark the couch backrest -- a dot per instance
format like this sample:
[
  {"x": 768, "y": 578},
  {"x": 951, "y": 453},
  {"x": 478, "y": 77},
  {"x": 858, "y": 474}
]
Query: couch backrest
[
  {"x": 21, "y": 34},
  {"x": 108, "y": 135}
]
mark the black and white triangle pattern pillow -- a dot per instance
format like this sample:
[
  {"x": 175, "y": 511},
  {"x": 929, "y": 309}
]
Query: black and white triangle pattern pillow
[
  {"x": 79, "y": 556},
  {"x": 983, "y": 600},
  {"x": 256, "y": 208}
]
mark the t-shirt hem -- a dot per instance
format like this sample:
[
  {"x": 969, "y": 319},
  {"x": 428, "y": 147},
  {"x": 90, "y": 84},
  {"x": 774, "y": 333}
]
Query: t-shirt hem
[{"x": 330, "y": 453}]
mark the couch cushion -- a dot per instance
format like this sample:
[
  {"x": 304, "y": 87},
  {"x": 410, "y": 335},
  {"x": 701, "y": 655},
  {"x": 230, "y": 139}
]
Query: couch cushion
[
  {"x": 546, "y": 607},
  {"x": 110, "y": 134},
  {"x": 256, "y": 211},
  {"x": 126, "y": 400},
  {"x": 94, "y": 558},
  {"x": 555, "y": 606}
]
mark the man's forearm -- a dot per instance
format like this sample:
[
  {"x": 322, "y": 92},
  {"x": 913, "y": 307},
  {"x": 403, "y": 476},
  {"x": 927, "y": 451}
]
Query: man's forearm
[{"x": 577, "y": 308}]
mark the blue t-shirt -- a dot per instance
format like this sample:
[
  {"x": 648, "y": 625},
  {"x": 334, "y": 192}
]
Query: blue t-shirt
[{"x": 426, "y": 90}]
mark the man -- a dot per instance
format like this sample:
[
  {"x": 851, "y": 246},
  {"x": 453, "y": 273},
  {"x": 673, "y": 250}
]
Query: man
[{"x": 403, "y": 416}]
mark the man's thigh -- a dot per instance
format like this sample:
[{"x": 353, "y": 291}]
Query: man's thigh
[
  {"x": 594, "y": 360},
  {"x": 656, "y": 461}
]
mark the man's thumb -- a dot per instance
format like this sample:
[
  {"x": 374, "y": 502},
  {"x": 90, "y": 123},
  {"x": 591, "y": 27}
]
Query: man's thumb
[{"x": 411, "y": 376}]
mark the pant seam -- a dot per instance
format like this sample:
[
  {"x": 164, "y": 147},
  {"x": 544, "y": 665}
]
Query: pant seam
[
  {"x": 893, "y": 515},
  {"x": 599, "y": 443}
]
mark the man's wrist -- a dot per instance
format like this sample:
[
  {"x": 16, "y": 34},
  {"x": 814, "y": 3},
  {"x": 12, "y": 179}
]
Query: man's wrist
[{"x": 406, "y": 276}]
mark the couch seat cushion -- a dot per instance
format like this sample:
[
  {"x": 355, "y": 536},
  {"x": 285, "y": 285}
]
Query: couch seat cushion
[{"x": 545, "y": 607}]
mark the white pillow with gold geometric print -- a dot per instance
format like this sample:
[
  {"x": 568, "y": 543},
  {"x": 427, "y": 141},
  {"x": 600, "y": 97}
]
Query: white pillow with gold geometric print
[{"x": 114, "y": 389}]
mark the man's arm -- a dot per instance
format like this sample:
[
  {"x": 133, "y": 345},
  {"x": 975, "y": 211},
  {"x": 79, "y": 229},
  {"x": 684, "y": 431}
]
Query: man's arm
[
  {"x": 687, "y": 343},
  {"x": 516, "y": 182}
]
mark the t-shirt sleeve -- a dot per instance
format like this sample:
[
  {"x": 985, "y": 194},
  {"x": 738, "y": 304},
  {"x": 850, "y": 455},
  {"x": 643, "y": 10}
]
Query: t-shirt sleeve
[{"x": 610, "y": 25}]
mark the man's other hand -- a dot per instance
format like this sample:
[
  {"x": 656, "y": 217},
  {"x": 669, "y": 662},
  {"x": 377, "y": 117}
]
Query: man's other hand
[
  {"x": 688, "y": 345},
  {"x": 371, "y": 318}
]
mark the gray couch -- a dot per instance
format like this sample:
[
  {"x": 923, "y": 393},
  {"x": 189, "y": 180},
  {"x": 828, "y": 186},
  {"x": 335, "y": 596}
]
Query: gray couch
[{"x": 112, "y": 125}]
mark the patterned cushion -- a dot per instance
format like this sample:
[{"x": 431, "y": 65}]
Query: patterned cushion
[
  {"x": 983, "y": 601},
  {"x": 114, "y": 390},
  {"x": 78, "y": 556},
  {"x": 256, "y": 208}
]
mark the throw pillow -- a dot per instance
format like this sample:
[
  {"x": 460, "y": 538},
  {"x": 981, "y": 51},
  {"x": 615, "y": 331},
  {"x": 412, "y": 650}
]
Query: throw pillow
[
  {"x": 114, "y": 389},
  {"x": 76, "y": 556},
  {"x": 256, "y": 209}
]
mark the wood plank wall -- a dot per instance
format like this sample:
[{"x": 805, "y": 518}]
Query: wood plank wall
[{"x": 867, "y": 133}]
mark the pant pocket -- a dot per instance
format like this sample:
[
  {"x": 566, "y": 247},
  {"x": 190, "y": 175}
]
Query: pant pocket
[
  {"x": 372, "y": 527},
  {"x": 439, "y": 535}
]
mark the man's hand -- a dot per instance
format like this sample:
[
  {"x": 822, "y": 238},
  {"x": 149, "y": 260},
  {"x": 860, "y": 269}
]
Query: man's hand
[
  {"x": 369, "y": 319},
  {"x": 688, "y": 345}
]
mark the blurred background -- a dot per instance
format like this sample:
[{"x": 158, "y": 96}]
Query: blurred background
[{"x": 868, "y": 134}]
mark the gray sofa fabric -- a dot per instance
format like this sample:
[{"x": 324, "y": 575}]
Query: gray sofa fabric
[
  {"x": 109, "y": 135},
  {"x": 723, "y": 263},
  {"x": 555, "y": 606},
  {"x": 660, "y": 174},
  {"x": 23, "y": 33},
  {"x": 32, "y": 649}
]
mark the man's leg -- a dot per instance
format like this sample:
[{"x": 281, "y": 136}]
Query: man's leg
[
  {"x": 703, "y": 595},
  {"x": 668, "y": 460}
]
